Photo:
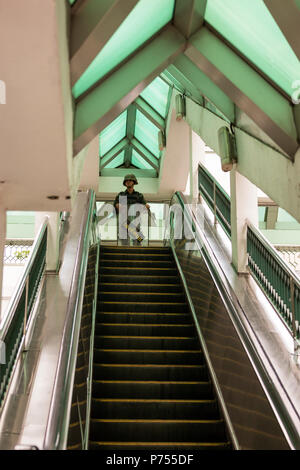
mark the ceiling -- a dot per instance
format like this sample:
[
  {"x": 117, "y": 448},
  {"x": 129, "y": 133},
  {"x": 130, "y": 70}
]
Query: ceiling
[{"x": 231, "y": 57}]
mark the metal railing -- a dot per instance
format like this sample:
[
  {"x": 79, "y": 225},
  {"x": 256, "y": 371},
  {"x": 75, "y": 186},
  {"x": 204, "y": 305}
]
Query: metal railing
[
  {"x": 216, "y": 198},
  {"x": 59, "y": 416},
  {"x": 278, "y": 281},
  {"x": 237, "y": 316},
  {"x": 272, "y": 273},
  {"x": 13, "y": 329}
]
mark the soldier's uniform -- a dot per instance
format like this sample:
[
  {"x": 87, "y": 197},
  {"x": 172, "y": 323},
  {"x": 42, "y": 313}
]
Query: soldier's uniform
[{"x": 134, "y": 197}]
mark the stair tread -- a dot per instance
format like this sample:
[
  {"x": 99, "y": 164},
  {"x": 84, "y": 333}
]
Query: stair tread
[
  {"x": 162, "y": 444},
  {"x": 151, "y": 350},
  {"x": 167, "y": 382},
  {"x": 145, "y": 337},
  {"x": 181, "y": 421},
  {"x": 149, "y": 365},
  {"x": 177, "y": 325},
  {"x": 153, "y": 400}
]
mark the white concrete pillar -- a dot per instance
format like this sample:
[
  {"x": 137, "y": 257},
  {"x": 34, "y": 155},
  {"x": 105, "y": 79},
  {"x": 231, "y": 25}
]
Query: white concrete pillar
[
  {"x": 2, "y": 247},
  {"x": 52, "y": 255},
  {"x": 243, "y": 206}
]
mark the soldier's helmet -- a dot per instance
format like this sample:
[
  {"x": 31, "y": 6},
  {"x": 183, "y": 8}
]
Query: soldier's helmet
[{"x": 130, "y": 177}]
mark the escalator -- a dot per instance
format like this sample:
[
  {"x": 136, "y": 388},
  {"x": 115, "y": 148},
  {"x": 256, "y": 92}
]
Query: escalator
[{"x": 151, "y": 388}]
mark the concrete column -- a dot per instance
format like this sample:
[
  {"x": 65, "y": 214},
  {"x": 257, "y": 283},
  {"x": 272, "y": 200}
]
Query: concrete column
[
  {"x": 2, "y": 247},
  {"x": 243, "y": 206},
  {"x": 52, "y": 255}
]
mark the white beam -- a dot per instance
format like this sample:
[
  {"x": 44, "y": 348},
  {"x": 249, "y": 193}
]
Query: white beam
[
  {"x": 104, "y": 103},
  {"x": 91, "y": 28}
]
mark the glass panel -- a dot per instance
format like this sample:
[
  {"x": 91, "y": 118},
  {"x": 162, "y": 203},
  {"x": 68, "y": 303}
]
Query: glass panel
[
  {"x": 146, "y": 132},
  {"x": 113, "y": 133},
  {"x": 250, "y": 27},
  {"x": 156, "y": 94},
  {"x": 141, "y": 24},
  {"x": 139, "y": 162},
  {"x": 117, "y": 161}
]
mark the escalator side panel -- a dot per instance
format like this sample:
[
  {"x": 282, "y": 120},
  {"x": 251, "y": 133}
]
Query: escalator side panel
[{"x": 253, "y": 419}]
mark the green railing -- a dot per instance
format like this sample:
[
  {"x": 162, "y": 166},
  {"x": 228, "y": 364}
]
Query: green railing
[
  {"x": 216, "y": 198},
  {"x": 277, "y": 280},
  {"x": 14, "y": 326}
]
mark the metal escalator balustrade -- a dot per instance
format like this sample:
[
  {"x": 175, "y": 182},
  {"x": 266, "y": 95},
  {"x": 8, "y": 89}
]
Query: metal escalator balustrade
[
  {"x": 151, "y": 388},
  {"x": 272, "y": 273},
  {"x": 260, "y": 414},
  {"x": 14, "y": 326}
]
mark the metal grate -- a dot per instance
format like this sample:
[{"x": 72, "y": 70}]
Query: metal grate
[{"x": 17, "y": 251}]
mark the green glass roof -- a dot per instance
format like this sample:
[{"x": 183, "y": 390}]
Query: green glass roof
[
  {"x": 132, "y": 138},
  {"x": 138, "y": 161},
  {"x": 117, "y": 161},
  {"x": 147, "y": 133},
  {"x": 146, "y": 19},
  {"x": 250, "y": 27},
  {"x": 113, "y": 133},
  {"x": 156, "y": 94}
]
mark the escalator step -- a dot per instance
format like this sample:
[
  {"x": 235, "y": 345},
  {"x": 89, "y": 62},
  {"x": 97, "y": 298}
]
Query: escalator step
[
  {"x": 126, "y": 271},
  {"x": 144, "y": 297},
  {"x": 161, "y": 430},
  {"x": 138, "y": 256},
  {"x": 140, "y": 278},
  {"x": 149, "y": 372},
  {"x": 159, "y": 446},
  {"x": 141, "y": 317},
  {"x": 136, "y": 263},
  {"x": 161, "y": 409},
  {"x": 132, "y": 249},
  {"x": 133, "y": 287},
  {"x": 150, "y": 307},
  {"x": 143, "y": 342},
  {"x": 142, "y": 329},
  {"x": 146, "y": 356},
  {"x": 200, "y": 390}
]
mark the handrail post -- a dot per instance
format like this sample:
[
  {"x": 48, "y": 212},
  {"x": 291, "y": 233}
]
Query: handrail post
[
  {"x": 215, "y": 205},
  {"x": 26, "y": 304},
  {"x": 296, "y": 354}
]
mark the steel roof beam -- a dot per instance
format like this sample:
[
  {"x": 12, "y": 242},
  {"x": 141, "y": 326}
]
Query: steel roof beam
[
  {"x": 93, "y": 24},
  {"x": 189, "y": 16},
  {"x": 115, "y": 93},
  {"x": 112, "y": 153},
  {"x": 287, "y": 16},
  {"x": 150, "y": 113},
  {"x": 145, "y": 153},
  {"x": 130, "y": 128},
  {"x": 206, "y": 86},
  {"x": 270, "y": 110}
]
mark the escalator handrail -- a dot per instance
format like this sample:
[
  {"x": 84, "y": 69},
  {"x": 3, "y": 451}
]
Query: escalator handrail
[
  {"x": 59, "y": 416},
  {"x": 251, "y": 345},
  {"x": 21, "y": 285},
  {"x": 213, "y": 376}
]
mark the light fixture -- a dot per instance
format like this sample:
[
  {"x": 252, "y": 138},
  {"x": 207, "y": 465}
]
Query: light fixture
[
  {"x": 180, "y": 107},
  {"x": 161, "y": 140},
  {"x": 227, "y": 148}
]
